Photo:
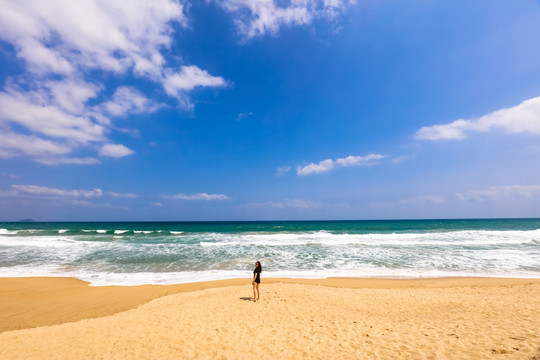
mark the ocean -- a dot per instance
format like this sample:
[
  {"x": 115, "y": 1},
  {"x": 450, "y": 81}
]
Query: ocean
[{"x": 134, "y": 253}]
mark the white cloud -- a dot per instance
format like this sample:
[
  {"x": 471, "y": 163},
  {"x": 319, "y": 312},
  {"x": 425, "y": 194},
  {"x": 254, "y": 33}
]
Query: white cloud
[
  {"x": 323, "y": 166},
  {"x": 71, "y": 94},
  {"x": 188, "y": 78},
  {"x": 41, "y": 59},
  {"x": 402, "y": 159},
  {"x": 329, "y": 164},
  {"x": 62, "y": 43},
  {"x": 40, "y": 117},
  {"x": 294, "y": 203},
  {"x": 285, "y": 204},
  {"x": 523, "y": 118},
  {"x": 55, "y": 122},
  {"x": 112, "y": 36},
  {"x": 128, "y": 100},
  {"x": 358, "y": 160},
  {"x": 42, "y": 151},
  {"x": 122, "y": 195},
  {"x": 424, "y": 200},
  {"x": 44, "y": 192},
  {"x": 497, "y": 193},
  {"x": 280, "y": 171},
  {"x": 12, "y": 144},
  {"x": 266, "y": 16},
  {"x": 35, "y": 190},
  {"x": 243, "y": 116},
  {"x": 259, "y": 17},
  {"x": 200, "y": 196},
  {"x": 65, "y": 160},
  {"x": 9, "y": 176},
  {"x": 115, "y": 150}
]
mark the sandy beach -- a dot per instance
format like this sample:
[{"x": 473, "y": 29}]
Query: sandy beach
[{"x": 455, "y": 318}]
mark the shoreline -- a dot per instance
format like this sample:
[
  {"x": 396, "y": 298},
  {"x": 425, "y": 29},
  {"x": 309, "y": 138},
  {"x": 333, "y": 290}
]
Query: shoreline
[{"x": 29, "y": 302}]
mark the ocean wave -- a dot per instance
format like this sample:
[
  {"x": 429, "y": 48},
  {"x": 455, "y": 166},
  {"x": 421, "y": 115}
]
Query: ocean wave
[
  {"x": 38, "y": 242},
  {"x": 118, "y": 255},
  {"x": 95, "y": 231},
  {"x": 7, "y": 232},
  {"x": 458, "y": 238}
]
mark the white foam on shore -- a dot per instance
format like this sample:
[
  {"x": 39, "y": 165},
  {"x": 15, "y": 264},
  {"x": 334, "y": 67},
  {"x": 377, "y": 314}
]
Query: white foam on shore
[{"x": 171, "y": 278}]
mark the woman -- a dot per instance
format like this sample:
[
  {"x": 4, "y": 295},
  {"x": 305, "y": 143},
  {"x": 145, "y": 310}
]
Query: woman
[{"x": 256, "y": 279}]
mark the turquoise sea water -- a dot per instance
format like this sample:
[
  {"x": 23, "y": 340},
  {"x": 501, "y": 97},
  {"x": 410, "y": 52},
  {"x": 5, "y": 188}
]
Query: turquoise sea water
[{"x": 130, "y": 253}]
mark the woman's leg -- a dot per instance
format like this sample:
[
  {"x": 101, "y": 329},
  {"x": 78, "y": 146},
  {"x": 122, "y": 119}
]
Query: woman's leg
[{"x": 256, "y": 287}]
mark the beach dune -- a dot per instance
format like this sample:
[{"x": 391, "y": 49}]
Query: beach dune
[{"x": 295, "y": 319}]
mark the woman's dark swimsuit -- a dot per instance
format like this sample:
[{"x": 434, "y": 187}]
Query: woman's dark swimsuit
[{"x": 258, "y": 272}]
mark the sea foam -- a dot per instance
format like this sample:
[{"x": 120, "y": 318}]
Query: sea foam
[{"x": 138, "y": 253}]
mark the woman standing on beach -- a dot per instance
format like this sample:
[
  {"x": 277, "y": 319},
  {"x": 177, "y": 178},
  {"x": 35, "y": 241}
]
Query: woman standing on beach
[{"x": 256, "y": 279}]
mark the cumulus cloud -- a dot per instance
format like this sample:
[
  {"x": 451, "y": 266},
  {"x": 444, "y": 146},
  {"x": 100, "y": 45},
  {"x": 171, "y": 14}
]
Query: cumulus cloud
[
  {"x": 523, "y": 118},
  {"x": 62, "y": 44},
  {"x": 112, "y": 36},
  {"x": 115, "y": 150},
  {"x": 176, "y": 84},
  {"x": 329, "y": 164},
  {"x": 259, "y": 17},
  {"x": 199, "y": 196},
  {"x": 323, "y": 166},
  {"x": 496, "y": 193}
]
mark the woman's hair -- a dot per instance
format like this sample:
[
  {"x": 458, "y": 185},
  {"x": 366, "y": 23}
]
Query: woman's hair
[{"x": 260, "y": 266}]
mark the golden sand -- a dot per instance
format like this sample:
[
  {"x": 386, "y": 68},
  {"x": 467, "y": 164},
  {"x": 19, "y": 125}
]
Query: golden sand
[{"x": 295, "y": 319}]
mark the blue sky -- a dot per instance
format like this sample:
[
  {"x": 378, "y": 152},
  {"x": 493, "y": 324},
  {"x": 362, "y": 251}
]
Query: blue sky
[{"x": 269, "y": 110}]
